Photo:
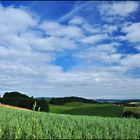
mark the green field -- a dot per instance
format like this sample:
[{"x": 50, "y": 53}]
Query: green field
[
  {"x": 17, "y": 124},
  {"x": 79, "y": 108},
  {"x": 104, "y": 110},
  {"x": 134, "y": 103},
  {"x": 133, "y": 109}
]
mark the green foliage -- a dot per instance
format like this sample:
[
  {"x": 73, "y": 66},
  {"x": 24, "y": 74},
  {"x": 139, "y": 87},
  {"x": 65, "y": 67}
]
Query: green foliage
[
  {"x": 21, "y": 100},
  {"x": 14, "y": 94},
  {"x": 15, "y": 124},
  {"x": 25, "y": 103}
]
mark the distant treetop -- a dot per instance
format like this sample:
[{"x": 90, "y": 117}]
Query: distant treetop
[{"x": 14, "y": 94}]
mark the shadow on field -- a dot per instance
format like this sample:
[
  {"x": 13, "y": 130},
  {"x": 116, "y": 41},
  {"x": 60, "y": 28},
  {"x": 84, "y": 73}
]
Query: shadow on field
[{"x": 130, "y": 114}]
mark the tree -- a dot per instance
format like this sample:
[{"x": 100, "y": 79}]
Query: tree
[
  {"x": 21, "y": 100},
  {"x": 14, "y": 94}
]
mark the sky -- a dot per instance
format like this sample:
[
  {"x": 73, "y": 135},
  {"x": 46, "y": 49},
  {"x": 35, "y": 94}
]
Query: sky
[{"x": 88, "y": 49}]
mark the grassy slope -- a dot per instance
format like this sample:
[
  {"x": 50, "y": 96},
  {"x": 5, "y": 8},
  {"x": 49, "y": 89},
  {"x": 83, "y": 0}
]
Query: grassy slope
[
  {"x": 79, "y": 108},
  {"x": 133, "y": 109},
  {"x": 137, "y": 103},
  {"x": 8, "y": 106},
  {"x": 35, "y": 125}
]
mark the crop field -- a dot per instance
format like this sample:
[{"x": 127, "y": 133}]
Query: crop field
[
  {"x": 79, "y": 108},
  {"x": 133, "y": 109},
  {"x": 136, "y": 103},
  {"x": 19, "y": 124}
]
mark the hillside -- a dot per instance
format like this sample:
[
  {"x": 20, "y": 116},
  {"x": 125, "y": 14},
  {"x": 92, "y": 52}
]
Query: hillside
[
  {"x": 36, "y": 125},
  {"x": 79, "y": 108},
  {"x": 13, "y": 107},
  {"x": 105, "y": 110}
]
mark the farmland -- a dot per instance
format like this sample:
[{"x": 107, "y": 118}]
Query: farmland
[
  {"x": 71, "y": 120},
  {"x": 19, "y": 124},
  {"x": 79, "y": 108},
  {"x": 133, "y": 109}
]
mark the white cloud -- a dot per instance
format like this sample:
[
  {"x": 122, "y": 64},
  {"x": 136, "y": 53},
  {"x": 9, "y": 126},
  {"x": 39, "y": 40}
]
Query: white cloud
[
  {"x": 54, "y": 44},
  {"x": 77, "y": 21},
  {"x": 131, "y": 61},
  {"x": 132, "y": 32},
  {"x": 28, "y": 49},
  {"x": 123, "y": 8},
  {"x": 91, "y": 29},
  {"x": 15, "y": 20},
  {"x": 94, "y": 38},
  {"x": 105, "y": 53},
  {"x": 56, "y": 29},
  {"x": 109, "y": 28}
]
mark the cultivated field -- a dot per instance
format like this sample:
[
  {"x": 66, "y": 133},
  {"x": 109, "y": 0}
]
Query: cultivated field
[
  {"x": 79, "y": 108},
  {"x": 104, "y": 110},
  {"x": 15, "y": 124},
  {"x": 133, "y": 109}
]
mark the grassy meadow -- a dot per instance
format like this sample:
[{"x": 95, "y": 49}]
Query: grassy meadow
[
  {"x": 79, "y": 108},
  {"x": 22, "y": 124}
]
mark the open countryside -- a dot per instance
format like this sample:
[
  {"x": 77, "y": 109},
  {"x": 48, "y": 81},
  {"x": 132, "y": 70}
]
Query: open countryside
[
  {"x": 90, "y": 120},
  {"x": 69, "y": 70}
]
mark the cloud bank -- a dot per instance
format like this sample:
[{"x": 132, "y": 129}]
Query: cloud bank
[{"x": 105, "y": 68}]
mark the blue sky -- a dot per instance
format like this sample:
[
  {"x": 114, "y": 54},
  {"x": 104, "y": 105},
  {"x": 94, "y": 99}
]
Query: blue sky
[{"x": 69, "y": 48}]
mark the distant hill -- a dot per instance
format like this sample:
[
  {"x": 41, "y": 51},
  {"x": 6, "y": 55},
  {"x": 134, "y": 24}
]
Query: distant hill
[
  {"x": 108, "y": 100},
  {"x": 63, "y": 100},
  {"x": 44, "y": 98},
  {"x": 129, "y": 101},
  {"x": 119, "y": 101}
]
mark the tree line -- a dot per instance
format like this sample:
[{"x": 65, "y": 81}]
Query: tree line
[
  {"x": 21, "y": 100},
  {"x": 63, "y": 100}
]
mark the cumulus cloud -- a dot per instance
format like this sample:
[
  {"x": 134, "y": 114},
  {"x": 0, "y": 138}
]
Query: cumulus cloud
[
  {"x": 131, "y": 61},
  {"x": 132, "y": 32},
  {"x": 29, "y": 48},
  {"x": 117, "y": 12},
  {"x": 15, "y": 20},
  {"x": 115, "y": 8},
  {"x": 77, "y": 21},
  {"x": 94, "y": 38},
  {"x": 56, "y": 29},
  {"x": 105, "y": 52}
]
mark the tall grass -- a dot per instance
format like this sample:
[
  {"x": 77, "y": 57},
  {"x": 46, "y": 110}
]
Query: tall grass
[{"x": 16, "y": 124}]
